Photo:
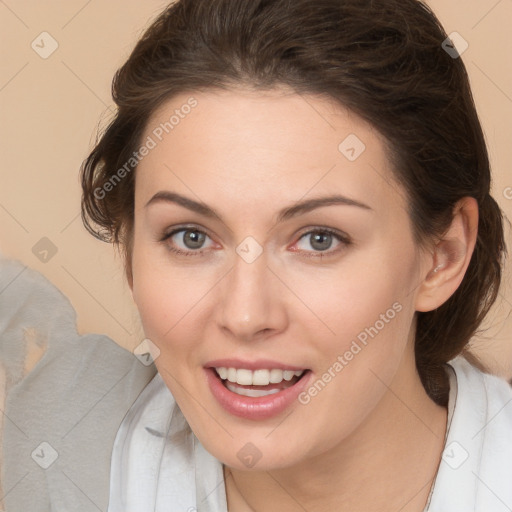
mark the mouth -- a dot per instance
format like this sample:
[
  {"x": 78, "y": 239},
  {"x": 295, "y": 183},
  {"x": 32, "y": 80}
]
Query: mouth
[
  {"x": 256, "y": 393},
  {"x": 258, "y": 383}
]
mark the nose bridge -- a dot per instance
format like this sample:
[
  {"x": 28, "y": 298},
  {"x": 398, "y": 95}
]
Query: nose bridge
[{"x": 250, "y": 303}]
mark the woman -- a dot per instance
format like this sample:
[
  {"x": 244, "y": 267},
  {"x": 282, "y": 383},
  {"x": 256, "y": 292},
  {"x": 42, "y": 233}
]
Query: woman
[
  {"x": 301, "y": 193},
  {"x": 302, "y": 198}
]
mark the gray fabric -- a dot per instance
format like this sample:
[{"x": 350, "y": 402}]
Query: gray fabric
[{"x": 75, "y": 399}]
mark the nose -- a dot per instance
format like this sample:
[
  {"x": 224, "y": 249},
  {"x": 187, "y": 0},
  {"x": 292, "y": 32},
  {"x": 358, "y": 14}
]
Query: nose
[{"x": 251, "y": 303}]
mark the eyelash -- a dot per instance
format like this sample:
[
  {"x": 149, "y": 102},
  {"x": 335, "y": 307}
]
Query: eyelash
[{"x": 343, "y": 239}]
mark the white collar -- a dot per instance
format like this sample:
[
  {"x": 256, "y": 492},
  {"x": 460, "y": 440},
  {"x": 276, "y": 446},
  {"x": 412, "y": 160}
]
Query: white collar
[
  {"x": 158, "y": 464},
  {"x": 475, "y": 473}
]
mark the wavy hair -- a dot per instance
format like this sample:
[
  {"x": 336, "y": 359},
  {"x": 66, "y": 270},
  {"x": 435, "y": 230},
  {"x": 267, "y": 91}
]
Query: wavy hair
[{"x": 382, "y": 59}]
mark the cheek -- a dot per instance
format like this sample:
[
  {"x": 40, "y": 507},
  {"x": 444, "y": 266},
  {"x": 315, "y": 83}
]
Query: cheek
[
  {"x": 365, "y": 299},
  {"x": 366, "y": 314},
  {"x": 174, "y": 304},
  {"x": 357, "y": 364}
]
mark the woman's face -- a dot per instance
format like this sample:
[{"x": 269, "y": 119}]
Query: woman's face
[{"x": 270, "y": 239}]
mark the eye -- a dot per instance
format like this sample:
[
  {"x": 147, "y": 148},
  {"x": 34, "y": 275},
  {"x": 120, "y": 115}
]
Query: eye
[
  {"x": 187, "y": 241},
  {"x": 321, "y": 240}
]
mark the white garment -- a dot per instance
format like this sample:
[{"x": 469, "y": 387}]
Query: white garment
[
  {"x": 153, "y": 471},
  {"x": 475, "y": 474}
]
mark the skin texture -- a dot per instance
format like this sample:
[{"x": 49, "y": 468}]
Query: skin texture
[{"x": 372, "y": 438}]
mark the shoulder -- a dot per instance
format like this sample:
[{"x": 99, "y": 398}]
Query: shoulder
[
  {"x": 486, "y": 395},
  {"x": 475, "y": 472},
  {"x": 67, "y": 401},
  {"x": 41, "y": 349}
]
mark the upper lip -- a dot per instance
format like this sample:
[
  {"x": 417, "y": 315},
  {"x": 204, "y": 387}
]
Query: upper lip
[{"x": 258, "y": 364}]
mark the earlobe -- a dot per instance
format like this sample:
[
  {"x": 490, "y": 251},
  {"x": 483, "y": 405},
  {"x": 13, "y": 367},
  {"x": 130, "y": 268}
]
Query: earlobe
[{"x": 450, "y": 258}]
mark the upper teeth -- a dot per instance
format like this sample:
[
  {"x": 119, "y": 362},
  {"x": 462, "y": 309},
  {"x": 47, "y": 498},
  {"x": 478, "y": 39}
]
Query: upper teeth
[{"x": 256, "y": 377}]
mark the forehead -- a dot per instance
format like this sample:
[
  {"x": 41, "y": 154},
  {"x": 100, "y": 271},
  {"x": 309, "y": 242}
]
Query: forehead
[{"x": 253, "y": 146}]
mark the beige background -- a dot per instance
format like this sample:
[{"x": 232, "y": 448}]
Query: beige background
[{"x": 50, "y": 109}]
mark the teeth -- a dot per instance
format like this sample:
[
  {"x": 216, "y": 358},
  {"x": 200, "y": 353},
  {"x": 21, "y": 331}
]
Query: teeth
[
  {"x": 232, "y": 374},
  {"x": 288, "y": 375},
  {"x": 243, "y": 377},
  {"x": 254, "y": 393},
  {"x": 276, "y": 376},
  {"x": 223, "y": 373},
  {"x": 262, "y": 377}
]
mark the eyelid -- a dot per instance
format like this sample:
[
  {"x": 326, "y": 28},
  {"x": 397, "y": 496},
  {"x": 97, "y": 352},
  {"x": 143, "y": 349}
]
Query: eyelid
[
  {"x": 342, "y": 237},
  {"x": 177, "y": 229},
  {"x": 324, "y": 229}
]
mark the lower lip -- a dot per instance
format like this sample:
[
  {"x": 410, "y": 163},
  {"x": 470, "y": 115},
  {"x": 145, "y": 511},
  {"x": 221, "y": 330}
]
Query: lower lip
[{"x": 254, "y": 408}]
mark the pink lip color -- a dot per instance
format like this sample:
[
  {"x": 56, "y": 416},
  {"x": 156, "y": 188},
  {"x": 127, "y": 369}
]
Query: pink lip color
[{"x": 254, "y": 408}]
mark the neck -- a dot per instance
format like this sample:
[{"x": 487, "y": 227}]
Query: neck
[{"x": 388, "y": 463}]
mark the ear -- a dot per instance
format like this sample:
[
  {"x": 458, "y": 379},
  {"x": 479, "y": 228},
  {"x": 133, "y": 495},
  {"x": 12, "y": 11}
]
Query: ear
[{"x": 451, "y": 257}]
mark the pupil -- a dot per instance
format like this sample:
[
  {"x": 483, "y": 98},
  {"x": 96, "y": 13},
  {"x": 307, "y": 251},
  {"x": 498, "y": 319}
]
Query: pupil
[
  {"x": 194, "y": 239},
  {"x": 321, "y": 241}
]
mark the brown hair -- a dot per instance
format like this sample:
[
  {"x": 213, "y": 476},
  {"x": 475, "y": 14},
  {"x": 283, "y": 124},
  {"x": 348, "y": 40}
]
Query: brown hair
[{"x": 384, "y": 60}]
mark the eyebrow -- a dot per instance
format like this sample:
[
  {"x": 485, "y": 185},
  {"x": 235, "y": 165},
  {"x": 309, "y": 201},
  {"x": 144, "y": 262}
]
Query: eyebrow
[{"x": 285, "y": 214}]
